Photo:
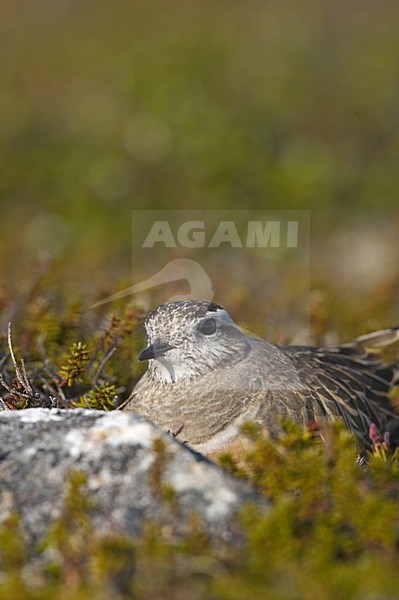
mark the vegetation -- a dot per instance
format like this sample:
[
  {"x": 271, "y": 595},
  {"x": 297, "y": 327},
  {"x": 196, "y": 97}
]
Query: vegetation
[{"x": 58, "y": 369}]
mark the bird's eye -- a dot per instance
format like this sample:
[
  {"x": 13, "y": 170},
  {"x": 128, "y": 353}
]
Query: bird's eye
[{"x": 207, "y": 327}]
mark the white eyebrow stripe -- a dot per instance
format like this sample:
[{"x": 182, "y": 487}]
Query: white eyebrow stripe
[{"x": 220, "y": 315}]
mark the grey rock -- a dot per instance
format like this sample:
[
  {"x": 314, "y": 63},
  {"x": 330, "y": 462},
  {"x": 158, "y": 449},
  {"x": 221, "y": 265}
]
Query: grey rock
[{"x": 40, "y": 447}]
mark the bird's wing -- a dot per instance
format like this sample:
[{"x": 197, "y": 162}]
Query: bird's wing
[{"x": 349, "y": 380}]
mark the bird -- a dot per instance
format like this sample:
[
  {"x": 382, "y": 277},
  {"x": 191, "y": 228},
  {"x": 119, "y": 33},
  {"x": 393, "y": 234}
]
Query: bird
[{"x": 206, "y": 378}]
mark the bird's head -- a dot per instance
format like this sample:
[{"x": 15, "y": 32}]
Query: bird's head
[{"x": 190, "y": 338}]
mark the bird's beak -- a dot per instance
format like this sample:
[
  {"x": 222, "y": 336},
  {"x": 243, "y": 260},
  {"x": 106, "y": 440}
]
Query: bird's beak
[{"x": 153, "y": 351}]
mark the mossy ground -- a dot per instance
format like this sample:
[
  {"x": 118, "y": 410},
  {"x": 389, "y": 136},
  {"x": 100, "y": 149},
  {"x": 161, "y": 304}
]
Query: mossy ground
[{"x": 332, "y": 532}]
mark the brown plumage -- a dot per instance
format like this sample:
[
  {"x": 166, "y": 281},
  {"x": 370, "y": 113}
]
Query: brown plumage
[{"x": 206, "y": 377}]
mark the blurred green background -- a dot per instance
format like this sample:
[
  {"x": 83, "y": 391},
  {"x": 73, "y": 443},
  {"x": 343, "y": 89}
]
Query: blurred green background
[{"x": 107, "y": 107}]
